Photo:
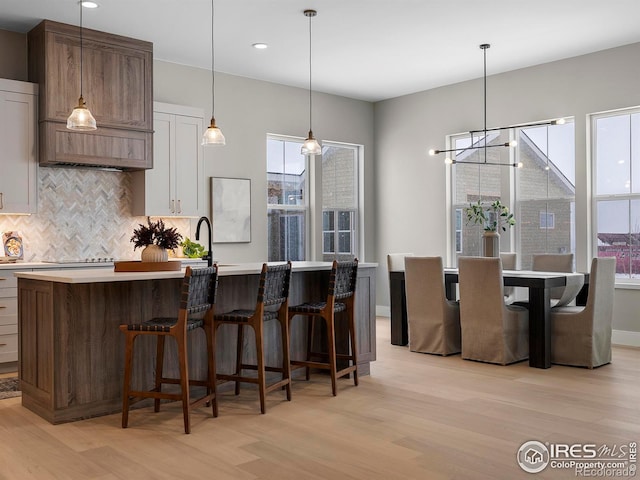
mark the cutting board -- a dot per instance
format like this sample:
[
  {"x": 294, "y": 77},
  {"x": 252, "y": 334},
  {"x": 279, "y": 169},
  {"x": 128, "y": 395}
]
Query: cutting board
[{"x": 138, "y": 266}]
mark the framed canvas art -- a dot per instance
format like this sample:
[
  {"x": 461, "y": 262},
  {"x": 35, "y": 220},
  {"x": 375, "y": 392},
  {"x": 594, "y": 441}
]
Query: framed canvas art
[{"x": 231, "y": 209}]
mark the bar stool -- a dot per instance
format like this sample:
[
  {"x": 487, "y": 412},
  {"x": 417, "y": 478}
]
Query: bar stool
[
  {"x": 340, "y": 298},
  {"x": 197, "y": 298},
  {"x": 273, "y": 291}
]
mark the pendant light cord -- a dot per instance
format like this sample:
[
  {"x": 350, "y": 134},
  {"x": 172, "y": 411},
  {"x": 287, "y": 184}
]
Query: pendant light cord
[
  {"x": 81, "y": 50},
  {"x": 213, "y": 75},
  {"x": 484, "y": 47},
  {"x": 310, "y": 16}
]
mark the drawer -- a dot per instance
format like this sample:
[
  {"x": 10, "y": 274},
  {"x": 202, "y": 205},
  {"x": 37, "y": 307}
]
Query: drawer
[
  {"x": 9, "y": 348},
  {"x": 9, "y": 329},
  {"x": 8, "y": 292},
  {"x": 8, "y": 306},
  {"x": 8, "y": 280}
]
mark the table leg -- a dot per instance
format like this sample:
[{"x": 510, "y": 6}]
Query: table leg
[
  {"x": 539, "y": 328},
  {"x": 398, "y": 302}
]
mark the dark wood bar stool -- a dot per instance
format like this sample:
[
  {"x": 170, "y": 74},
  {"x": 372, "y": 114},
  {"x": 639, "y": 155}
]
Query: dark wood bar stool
[
  {"x": 340, "y": 298},
  {"x": 196, "y": 311},
  {"x": 272, "y": 304}
]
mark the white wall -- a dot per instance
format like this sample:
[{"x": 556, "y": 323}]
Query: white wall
[
  {"x": 246, "y": 110},
  {"x": 410, "y": 185}
]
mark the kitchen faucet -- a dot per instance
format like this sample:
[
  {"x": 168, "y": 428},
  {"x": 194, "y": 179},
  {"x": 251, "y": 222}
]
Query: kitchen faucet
[{"x": 208, "y": 257}]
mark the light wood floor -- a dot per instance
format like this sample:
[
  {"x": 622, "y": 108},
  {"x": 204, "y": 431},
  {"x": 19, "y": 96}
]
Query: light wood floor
[{"x": 416, "y": 417}]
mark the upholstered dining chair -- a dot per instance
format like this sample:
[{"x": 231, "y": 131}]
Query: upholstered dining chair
[
  {"x": 553, "y": 262},
  {"x": 434, "y": 321},
  {"x": 340, "y": 299},
  {"x": 509, "y": 260},
  {"x": 491, "y": 330},
  {"x": 272, "y": 304},
  {"x": 196, "y": 311},
  {"x": 581, "y": 336}
]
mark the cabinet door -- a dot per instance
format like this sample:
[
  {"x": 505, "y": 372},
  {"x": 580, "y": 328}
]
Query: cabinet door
[
  {"x": 175, "y": 185},
  {"x": 18, "y": 152},
  {"x": 188, "y": 165},
  {"x": 159, "y": 184}
]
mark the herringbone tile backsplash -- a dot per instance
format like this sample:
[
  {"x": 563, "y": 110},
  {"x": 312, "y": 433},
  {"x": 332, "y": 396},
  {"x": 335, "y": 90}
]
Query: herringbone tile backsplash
[{"x": 82, "y": 213}]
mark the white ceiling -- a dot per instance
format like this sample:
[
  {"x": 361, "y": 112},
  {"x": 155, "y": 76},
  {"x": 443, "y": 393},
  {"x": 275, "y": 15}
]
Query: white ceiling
[{"x": 364, "y": 49}]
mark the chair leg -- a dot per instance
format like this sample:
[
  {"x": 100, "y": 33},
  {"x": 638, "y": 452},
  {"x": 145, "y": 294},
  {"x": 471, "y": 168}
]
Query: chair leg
[
  {"x": 128, "y": 365},
  {"x": 262, "y": 381},
  {"x": 240, "y": 342},
  {"x": 181, "y": 340},
  {"x": 209, "y": 331},
  {"x": 311, "y": 321},
  {"x": 286, "y": 360},
  {"x": 354, "y": 353},
  {"x": 331, "y": 346},
  {"x": 159, "y": 369}
]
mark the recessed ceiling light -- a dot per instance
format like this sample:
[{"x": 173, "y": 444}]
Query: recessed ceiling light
[
  {"x": 260, "y": 46},
  {"x": 86, "y": 4}
]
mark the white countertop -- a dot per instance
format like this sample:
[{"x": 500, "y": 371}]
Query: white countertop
[
  {"x": 22, "y": 265},
  {"x": 99, "y": 275}
]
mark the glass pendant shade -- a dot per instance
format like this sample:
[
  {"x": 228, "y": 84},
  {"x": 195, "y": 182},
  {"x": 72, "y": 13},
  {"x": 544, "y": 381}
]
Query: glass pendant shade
[
  {"x": 81, "y": 118},
  {"x": 311, "y": 146},
  {"x": 213, "y": 135}
]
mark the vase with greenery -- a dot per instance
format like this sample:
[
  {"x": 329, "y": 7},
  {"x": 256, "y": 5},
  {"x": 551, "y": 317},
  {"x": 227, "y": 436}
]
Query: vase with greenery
[
  {"x": 493, "y": 218},
  {"x": 156, "y": 239}
]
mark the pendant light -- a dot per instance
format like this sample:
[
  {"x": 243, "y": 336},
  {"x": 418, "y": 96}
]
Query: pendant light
[
  {"x": 213, "y": 135},
  {"x": 310, "y": 145},
  {"x": 485, "y": 146},
  {"x": 81, "y": 118}
]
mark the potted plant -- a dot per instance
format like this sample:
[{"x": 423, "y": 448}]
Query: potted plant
[
  {"x": 493, "y": 218},
  {"x": 156, "y": 239}
]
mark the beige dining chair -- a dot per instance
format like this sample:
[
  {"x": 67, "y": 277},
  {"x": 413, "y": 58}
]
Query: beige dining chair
[
  {"x": 581, "y": 336},
  {"x": 434, "y": 321},
  {"x": 491, "y": 330},
  {"x": 509, "y": 260},
  {"x": 553, "y": 262}
]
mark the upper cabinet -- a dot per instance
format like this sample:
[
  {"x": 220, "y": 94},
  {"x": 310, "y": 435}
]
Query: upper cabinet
[
  {"x": 117, "y": 87},
  {"x": 175, "y": 185},
  {"x": 18, "y": 183}
]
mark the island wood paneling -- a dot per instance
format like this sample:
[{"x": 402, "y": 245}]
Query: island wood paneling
[{"x": 72, "y": 352}]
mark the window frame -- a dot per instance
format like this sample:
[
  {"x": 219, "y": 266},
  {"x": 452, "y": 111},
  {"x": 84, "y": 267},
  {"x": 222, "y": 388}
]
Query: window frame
[
  {"x": 509, "y": 188},
  {"x": 596, "y": 198},
  {"x": 304, "y": 208}
]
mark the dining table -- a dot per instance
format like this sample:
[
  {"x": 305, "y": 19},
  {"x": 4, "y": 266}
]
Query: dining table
[{"x": 539, "y": 285}]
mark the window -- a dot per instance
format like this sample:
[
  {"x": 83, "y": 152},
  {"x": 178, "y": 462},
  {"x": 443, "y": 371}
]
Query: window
[
  {"x": 545, "y": 191},
  {"x": 547, "y": 220},
  {"x": 340, "y": 200},
  {"x": 541, "y": 193},
  {"x": 471, "y": 183},
  {"x": 287, "y": 206},
  {"x": 616, "y": 163},
  {"x": 335, "y": 229}
]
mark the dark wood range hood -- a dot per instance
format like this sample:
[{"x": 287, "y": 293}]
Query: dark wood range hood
[{"x": 117, "y": 86}]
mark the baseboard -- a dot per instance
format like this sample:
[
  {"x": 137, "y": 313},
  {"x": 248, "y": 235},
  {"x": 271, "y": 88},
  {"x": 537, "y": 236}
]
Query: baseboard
[
  {"x": 383, "y": 311},
  {"x": 626, "y": 338}
]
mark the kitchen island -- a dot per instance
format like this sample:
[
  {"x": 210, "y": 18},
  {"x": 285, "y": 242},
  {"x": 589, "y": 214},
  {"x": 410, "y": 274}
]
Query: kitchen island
[{"x": 72, "y": 352}]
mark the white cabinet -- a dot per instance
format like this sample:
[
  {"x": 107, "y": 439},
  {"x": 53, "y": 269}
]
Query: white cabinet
[
  {"x": 18, "y": 146},
  {"x": 8, "y": 316},
  {"x": 175, "y": 185}
]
